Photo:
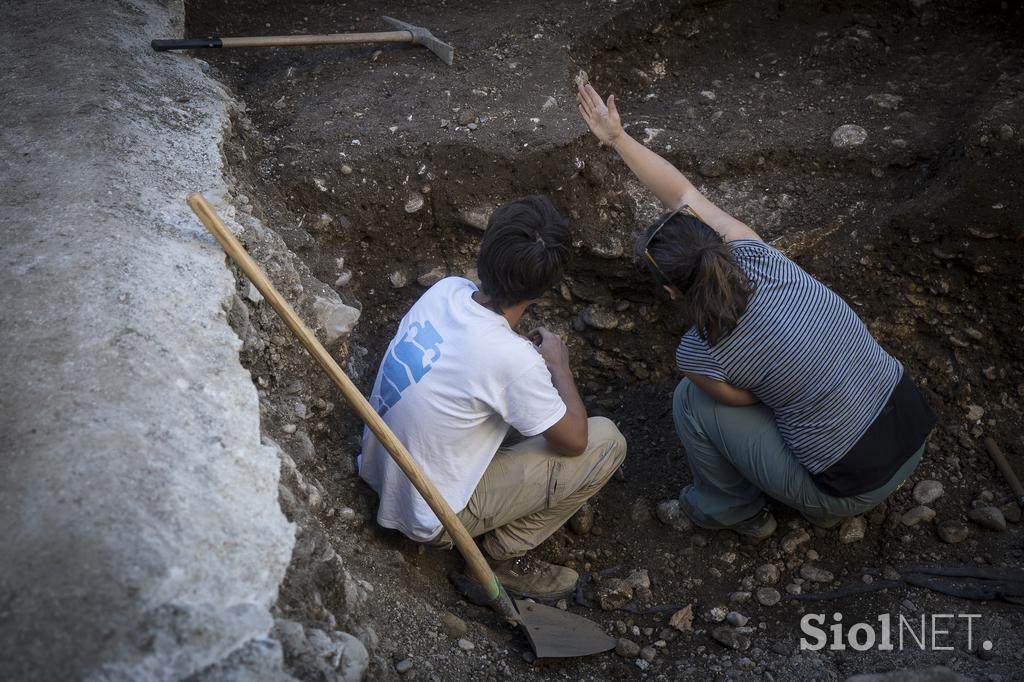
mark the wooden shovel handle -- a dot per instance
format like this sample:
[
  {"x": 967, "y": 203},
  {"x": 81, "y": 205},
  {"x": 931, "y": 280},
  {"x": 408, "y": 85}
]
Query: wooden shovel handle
[
  {"x": 1004, "y": 467},
  {"x": 325, "y": 39},
  {"x": 478, "y": 566},
  {"x": 162, "y": 45}
]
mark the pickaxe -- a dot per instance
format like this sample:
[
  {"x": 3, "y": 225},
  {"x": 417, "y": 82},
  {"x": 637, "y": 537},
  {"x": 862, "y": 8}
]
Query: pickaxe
[{"x": 407, "y": 33}]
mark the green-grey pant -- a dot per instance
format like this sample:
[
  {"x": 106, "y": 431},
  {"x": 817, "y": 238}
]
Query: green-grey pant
[
  {"x": 737, "y": 455},
  {"x": 529, "y": 491}
]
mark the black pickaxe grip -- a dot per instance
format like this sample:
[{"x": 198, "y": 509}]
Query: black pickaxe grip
[{"x": 187, "y": 44}]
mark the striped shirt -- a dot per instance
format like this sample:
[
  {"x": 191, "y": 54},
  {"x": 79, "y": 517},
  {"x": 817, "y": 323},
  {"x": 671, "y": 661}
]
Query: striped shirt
[{"x": 804, "y": 353}]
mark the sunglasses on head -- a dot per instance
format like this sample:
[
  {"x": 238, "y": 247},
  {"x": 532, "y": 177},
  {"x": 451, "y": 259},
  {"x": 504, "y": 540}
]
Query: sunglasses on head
[{"x": 685, "y": 208}]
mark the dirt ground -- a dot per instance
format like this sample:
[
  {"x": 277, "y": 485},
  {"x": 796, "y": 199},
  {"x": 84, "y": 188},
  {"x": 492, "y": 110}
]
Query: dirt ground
[{"x": 374, "y": 165}]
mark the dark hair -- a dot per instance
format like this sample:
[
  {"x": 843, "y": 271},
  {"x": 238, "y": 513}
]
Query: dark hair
[
  {"x": 693, "y": 258},
  {"x": 523, "y": 252}
]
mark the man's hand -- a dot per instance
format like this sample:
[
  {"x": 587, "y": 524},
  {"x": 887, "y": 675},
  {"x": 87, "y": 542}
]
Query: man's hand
[
  {"x": 602, "y": 119},
  {"x": 551, "y": 348}
]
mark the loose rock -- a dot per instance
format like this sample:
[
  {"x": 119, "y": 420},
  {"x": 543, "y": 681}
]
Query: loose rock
[
  {"x": 848, "y": 136},
  {"x": 335, "y": 318},
  {"x": 466, "y": 645},
  {"x": 476, "y": 217},
  {"x": 792, "y": 541},
  {"x": 917, "y": 515},
  {"x": 852, "y": 530},
  {"x": 453, "y": 626},
  {"x": 927, "y": 492},
  {"x": 952, "y": 532},
  {"x": 988, "y": 517},
  {"x": 729, "y": 637},
  {"x": 768, "y": 596},
  {"x": 583, "y": 520},
  {"x": 682, "y": 620},
  {"x": 614, "y": 594},
  {"x": 599, "y": 318},
  {"x": 414, "y": 202},
  {"x": 767, "y": 574},
  {"x": 736, "y": 619},
  {"x": 671, "y": 515},
  {"x": 816, "y": 574},
  {"x": 627, "y": 648}
]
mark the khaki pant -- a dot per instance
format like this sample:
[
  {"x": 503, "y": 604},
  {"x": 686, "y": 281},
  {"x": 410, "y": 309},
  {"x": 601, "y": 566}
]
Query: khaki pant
[{"x": 529, "y": 490}]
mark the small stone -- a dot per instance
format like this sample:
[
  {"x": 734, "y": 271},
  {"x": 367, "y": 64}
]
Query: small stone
[
  {"x": 627, "y": 648},
  {"x": 466, "y": 645},
  {"x": 252, "y": 293},
  {"x": 729, "y": 637},
  {"x": 599, "y": 318},
  {"x": 917, "y": 515},
  {"x": 476, "y": 217},
  {"x": 952, "y": 532},
  {"x": 548, "y": 103},
  {"x": 453, "y": 626},
  {"x": 430, "y": 278},
  {"x": 792, "y": 541},
  {"x": 343, "y": 279},
  {"x": 614, "y": 594},
  {"x": 927, "y": 492},
  {"x": 346, "y": 169},
  {"x": 1011, "y": 512},
  {"x": 581, "y": 79},
  {"x": 1006, "y": 132},
  {"x": 289, "y": 428},
  {"x": 975, "y": 413},
  {"x": 740, "y": 597},
  {"x": 736, "y": 619},
  {"x": 848, "y": 135},
  {"x": 639, "y": 579},
  {"x": 988, "y": 517},
  {"x": 562, "y": 605},
  {"x": 794, "y": 588},
  {"x": 717, "y": 614},
  {"x": 767, "y": 574},
  {"x": 852, "y": 530},
  {"x": 335, "y": 318},
  {"x": 682, "y": 620},
  {"x": 398, "y": 279},
  {"x": 768, "y": 596},
  {"x": 414, "y": 202},
  {"x": 403, "y": 666},
  {"x": 583, "y": 520},
  {"x": 467, "y": 116},
  {"x": 816, "y": 574},
  {"x": 648, "y": 653},
  {"x": 671, "y": 515}
]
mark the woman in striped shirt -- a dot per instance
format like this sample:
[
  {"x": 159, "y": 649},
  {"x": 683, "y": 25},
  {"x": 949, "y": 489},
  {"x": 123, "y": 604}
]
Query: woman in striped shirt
[{"x": 786, "y": 394}]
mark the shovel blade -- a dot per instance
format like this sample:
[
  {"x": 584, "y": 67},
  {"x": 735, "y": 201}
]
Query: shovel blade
[{"x": 554, "y": 633}]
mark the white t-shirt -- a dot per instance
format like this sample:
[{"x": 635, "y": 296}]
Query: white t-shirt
[{"x": 452, "y": 381}]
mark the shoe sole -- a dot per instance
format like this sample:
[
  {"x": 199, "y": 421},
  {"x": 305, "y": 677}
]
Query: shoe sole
[{"x": 759, "y": 534}]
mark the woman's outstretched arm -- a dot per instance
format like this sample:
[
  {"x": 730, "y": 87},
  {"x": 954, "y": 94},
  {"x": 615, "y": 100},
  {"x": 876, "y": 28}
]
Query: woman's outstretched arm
[{"x": 664, "y": 180}]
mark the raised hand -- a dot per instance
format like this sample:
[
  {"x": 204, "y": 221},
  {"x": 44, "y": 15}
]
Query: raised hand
[{"x": 602, "y": 119}]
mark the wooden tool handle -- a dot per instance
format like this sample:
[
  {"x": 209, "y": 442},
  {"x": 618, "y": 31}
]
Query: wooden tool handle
[
  {"x": 1004, "y": 466},
  {"x": 478, "y": 566},
  {"x": 326, "y": 39}
]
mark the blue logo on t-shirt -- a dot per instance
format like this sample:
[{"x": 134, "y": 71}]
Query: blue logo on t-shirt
[{"x": 408, "y": 363}]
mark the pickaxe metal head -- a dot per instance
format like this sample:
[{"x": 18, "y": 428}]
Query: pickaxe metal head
[{"x": 422, "y": 36}]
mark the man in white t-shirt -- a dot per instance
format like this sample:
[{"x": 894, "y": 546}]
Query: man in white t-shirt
[{"x": 457, "y": 376}]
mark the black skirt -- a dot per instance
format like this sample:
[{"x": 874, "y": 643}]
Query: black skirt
[{"x": 898, "y": 431}]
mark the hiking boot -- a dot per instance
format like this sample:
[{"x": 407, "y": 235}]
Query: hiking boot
[
  {"x": 535, "y": 579},
  {"x": 759, "y": 526}
]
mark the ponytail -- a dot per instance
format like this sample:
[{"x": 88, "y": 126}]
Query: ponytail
[{"x": 694, "y": 259}]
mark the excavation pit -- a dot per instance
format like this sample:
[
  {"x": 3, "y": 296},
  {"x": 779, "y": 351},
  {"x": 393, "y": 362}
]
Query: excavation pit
[{"x": 372, "y": 169}]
